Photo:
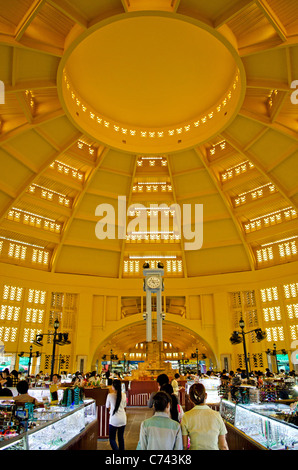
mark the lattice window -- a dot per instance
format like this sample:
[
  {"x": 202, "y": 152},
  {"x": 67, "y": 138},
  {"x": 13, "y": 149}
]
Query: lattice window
[
  {"x": 236, "y": 299},
  {"x": 293, "y": 332},
  {"x": 63, "y": 308},
  {"x": 249, "y": 298},
  {"x": 34, "y": 315},
  {"x": 275, "y": 333},
  {"x": 292, "y": 310},
  {"x": 269, "y": 294},
  {"x": 251, "y": 318},
  {"x": 291, "y": 290},
  {"x": 8, "y": 333},
  {"x": 240, "y": 361},
  {"x": 257, "y": 360},
  {"x": 40, "y": 256},
  {"x": 17, "y": 251},
  {"x": 12, "y": 293},
  {"x": 64, "y": 362},
  {"x": 30, "y": 334},
  {"x": 10, "y": 313},
  {"x": 272, "y": 314},
  {"x": 47, "y": 362}
]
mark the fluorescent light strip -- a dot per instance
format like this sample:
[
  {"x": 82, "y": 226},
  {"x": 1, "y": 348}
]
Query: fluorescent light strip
[
  {"x": 256, "y": 189},
  {"x": 152, "y": 257},
  {"x": 49, "y": 190},
  {"x": 271, "y": 213},
  {"x": 23, "y": 243},
  {"x": 280, "y": 241},
  {"x": 151, "y": 233},
  {"x": 31, "y": 213}
]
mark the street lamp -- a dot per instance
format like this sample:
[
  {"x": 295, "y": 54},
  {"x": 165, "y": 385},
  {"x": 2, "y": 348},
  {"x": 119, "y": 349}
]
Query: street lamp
[
  {"x": 112, "y": 357},
  {"x": 196, "y": 355},
  {"x": 58, "y": 338},
  {"x": 239, "y": 337},
  {"x": 30, "y": 355},
  {"x": 274, "y": 354}
]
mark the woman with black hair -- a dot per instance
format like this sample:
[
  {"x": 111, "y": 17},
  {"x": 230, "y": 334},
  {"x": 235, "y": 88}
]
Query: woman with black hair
[
  {"x": 116, "y": 402},
  {"x": 176, "y": 410},
  {"x": 203, "y": 426}
]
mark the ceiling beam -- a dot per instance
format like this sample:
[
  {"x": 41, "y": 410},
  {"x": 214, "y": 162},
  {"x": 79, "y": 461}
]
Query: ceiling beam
[
  {"x": 231, "y": 12},
  {"x": 123, "y": 242},
  {"x": 249, "y": 156},
  {"x": 28, "y": 18},
  {"x": 70, "y": 11},
  {"x": 234, "y": 218},
  {"x": 272, "y": 18},
  {"x": 22, "y": 190},
  {"x": 102, "y": 153},
  {"x": 29, "y": 85},
  {"x": 267, "y": 84},
  {"x": 276, "y": 126}
]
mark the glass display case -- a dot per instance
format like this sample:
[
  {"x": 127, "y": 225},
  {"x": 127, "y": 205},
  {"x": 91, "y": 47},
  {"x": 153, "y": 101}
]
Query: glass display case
[
  {"x": 227, "y": 411},
  {"x": 44, "y": 393},
  {"x": 54, "y": 427},
  {"x": 211, "y": 386},
  {"x": 264, "y": 423}
]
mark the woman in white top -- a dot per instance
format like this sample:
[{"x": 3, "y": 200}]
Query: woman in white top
[{"x": 116, "y": 402}]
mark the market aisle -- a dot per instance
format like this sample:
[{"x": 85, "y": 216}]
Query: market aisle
[{"x": 135, "y": 416}]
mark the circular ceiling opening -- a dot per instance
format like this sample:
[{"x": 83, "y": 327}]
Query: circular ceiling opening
[{"x": 151, "y": 83}]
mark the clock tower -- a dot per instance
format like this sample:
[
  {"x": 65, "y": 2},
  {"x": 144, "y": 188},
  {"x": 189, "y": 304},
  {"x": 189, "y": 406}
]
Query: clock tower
[{"x": 153, "y": 284}]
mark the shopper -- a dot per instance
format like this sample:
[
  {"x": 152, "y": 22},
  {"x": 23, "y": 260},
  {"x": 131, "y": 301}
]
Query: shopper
[
  {"x": 161, "y": 380},
  {"x": 116, "y": 402},
  {"x": 202, "y": 425},
  {"x": 175, "y": 385},
  {"x": 23, "y": 395},
  {"x": 160, "y": 432},
  {"x": 176, "y": 410}
]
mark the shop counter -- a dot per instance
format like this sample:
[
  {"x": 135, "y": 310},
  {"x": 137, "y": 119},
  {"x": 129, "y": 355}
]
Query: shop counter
[
  {"x": 100, "y": 396},
  {"x": 59, "y": 428}
]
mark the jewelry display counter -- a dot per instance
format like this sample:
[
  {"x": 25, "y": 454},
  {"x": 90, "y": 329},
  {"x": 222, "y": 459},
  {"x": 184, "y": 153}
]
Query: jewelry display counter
[
  {"x": 212, "y": 390},
  {"x": 259, "y": 426},
  {"x": 100, "y": 396},
  {"x": 57, "y": 428}
]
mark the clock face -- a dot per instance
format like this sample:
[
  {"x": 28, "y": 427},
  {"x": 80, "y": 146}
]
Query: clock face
[{"x": 153, "y": 282}]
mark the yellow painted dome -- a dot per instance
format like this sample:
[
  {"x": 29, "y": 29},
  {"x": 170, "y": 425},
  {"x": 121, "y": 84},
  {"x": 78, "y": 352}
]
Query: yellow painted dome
[{"x": 161, "y": 102}]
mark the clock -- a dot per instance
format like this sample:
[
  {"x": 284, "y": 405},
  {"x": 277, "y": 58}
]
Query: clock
[{"x": 153, "y": 282}]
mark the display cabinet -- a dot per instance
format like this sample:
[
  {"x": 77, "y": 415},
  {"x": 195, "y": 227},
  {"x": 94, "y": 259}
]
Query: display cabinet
[
  {"x": 211, "y": 387},
  {"x": 56, "y": 428},
  {"x": 212, "y": 390},
  {"x": 227, "y": 411},
  {"x": 263, "y": 424}
]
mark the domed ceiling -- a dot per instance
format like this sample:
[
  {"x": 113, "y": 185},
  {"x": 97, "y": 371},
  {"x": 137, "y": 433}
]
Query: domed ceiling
[{"x": 112, "y": 107}]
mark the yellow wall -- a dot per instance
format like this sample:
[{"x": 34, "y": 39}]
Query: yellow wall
[{"x": 209, "y": 312}]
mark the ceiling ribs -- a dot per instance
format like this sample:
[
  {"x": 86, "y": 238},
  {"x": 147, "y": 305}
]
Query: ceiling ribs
[
  {"x": 102, "y": 153},
  {"x": 237, "y": 225}
]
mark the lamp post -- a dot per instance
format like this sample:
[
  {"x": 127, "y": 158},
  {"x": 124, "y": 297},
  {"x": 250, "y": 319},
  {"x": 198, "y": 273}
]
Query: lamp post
[
  {"x": 242, "y": 325},
  {"x": 236, "y": 339},
  {"x": 112, "y": 356},
  {"x": 30, "y": 355},
  {"x": 274, "y": 354},
  {"x": 196, "y": 355},
  {"x": 58, "y": 338}
]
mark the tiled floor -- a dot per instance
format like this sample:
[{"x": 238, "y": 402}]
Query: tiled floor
[{"x": 135, "y": 415}]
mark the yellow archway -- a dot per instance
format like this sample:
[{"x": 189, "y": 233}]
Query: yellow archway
[{"x": 131, "y": 331}]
